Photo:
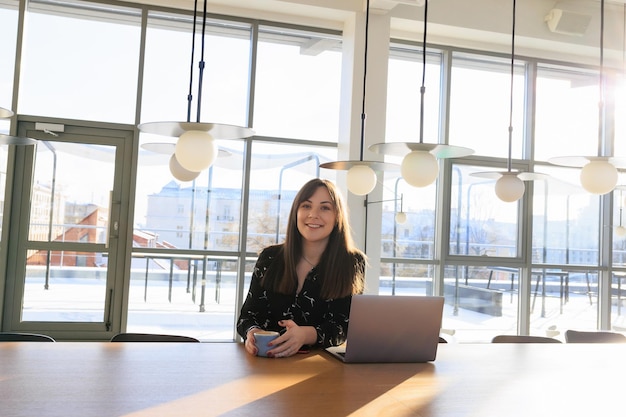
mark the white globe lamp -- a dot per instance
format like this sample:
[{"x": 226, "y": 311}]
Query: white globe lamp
[
  {"x": 361, "y": 179},
  {"x": 599, "y": 177},
  {"x": 196, "y": 150},
  {"x": 400, "y": 217},
  {"x": 180, "y": 173},
  {"x": 509, "y": 188},
  {"x": 419, "y": 168},
  {"x": 620, "y": 231}
]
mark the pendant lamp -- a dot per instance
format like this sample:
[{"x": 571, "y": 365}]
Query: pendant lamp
[
  {"x": 196, "y": 149},
  {"x": 510, "y": 184},
  {"x": 361, "y": 177},
  {"x": 599, "y": 173},
  {"x": 419, "y": 166},
  {"x": 13, "y": 140},
  {"x": 176, "y": 169}
]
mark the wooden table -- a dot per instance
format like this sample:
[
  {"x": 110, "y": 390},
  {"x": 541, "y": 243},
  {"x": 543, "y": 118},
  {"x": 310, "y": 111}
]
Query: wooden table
[{"x": 209, "y": 379}]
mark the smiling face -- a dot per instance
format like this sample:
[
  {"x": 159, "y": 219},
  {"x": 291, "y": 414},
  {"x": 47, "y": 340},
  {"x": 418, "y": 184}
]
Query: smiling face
[{"x": 316, "y": 216}]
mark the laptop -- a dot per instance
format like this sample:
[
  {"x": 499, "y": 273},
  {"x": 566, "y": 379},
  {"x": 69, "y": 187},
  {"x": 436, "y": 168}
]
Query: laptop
[{"x": 388, "y": 328}]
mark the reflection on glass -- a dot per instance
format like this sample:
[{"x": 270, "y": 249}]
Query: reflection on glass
[{"x": 480, "y": 223}]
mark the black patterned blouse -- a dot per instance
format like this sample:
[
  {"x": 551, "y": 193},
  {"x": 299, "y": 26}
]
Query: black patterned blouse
[{"x": 264, "y": 308}]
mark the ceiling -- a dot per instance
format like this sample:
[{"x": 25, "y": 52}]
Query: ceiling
[{"x": 476, "y": 24}]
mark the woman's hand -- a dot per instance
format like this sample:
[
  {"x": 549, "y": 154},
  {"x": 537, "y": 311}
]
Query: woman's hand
[
  {"x": 250, "y": 343},
  {"x": 294, "y": 337}
]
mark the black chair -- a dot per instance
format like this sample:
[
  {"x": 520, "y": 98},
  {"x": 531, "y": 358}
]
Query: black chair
[
  {"x": 24, "y": 337},
  {"x": 576, "y": 336},
  {"x": 509, "y": 338},
  {"x": 149, "y": 337}
]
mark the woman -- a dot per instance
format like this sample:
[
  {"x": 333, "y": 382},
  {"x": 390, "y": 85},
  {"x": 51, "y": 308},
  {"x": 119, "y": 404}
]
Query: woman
[{"x": 303, "y": 287}]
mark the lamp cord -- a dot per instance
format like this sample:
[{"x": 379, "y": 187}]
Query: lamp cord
[
  {"x": 509, "y": 160},
  {"x": 193, "y": 49},
  {"x": 201, "y": 64},
  {"x": 363, "y": 115},
  {"x": 423, "y": 86},
  {"x": 602, "y": 114}
]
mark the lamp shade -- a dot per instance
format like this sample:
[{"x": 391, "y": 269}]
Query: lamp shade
[
  {"x": 510, "y": 188},
  {"x": 5, "y": 113},
  {"x": 620, "y": 231},
  {"x": 361, "y": 179},
  {"x": 180, "y": 173},
  {"x": 196, "y": 150},
  {"x": 599, "y": 177},
  {"x": 419, "y": 168}
]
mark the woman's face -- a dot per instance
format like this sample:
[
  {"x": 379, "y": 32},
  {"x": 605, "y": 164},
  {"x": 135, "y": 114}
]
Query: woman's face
[{"x": 316, "y": 217}]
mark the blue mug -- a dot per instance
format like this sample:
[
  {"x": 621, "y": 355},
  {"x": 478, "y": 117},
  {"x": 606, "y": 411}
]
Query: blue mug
[{"x": 262, "y": 339}]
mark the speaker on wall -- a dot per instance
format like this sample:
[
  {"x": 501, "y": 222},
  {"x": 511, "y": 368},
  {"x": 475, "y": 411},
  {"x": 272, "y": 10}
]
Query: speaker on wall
[{"x": 567, "y": 22}]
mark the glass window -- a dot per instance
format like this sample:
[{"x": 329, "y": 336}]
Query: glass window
[
  {"x": 169, "y": 66},
  {"x": 481, "y": 301},
  {"x": 566, "y": 112},
  {"x": 194, "y": 296},
  {"x": 620, "y": 122},
  {"x": 566, "y": 220},
  {"x": 8, "y": 34},
  {"x": 404, "y": 97},
  {"x": 480, "y": 223},
  {"x": 174, "y": 214},
  {"x": 406, "y": 278},
  {"x": 480, "y": 104},
  {"x": 280, "y": 171},
  {"x": 86, "y": 68},
  {"x": 619, "y": 226},
  {"x": 298, "y": 84},
  {"x": 66, "y": 257},
  {"x": 414, "y": 236}
]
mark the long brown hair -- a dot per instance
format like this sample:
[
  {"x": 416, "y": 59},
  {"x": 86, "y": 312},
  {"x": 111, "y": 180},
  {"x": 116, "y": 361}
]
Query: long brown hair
[{"x": 341, "y": 269}]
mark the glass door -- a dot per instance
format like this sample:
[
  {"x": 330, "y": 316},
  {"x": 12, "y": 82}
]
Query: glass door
[{"x": 65, "y": 265}]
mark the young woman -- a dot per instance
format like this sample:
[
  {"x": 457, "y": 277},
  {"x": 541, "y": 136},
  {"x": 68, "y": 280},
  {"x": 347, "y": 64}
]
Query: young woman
[{"x": 303, "y": 287}]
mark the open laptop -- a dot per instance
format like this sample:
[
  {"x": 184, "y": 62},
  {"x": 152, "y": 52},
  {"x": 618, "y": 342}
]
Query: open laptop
[{"x": 387, "y": 328}]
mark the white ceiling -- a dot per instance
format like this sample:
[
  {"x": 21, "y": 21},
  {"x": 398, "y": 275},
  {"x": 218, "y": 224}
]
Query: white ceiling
[{"x": 481, "y": 24}]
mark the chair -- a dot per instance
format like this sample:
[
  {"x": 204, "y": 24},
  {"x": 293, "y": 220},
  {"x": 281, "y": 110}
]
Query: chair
[
  {"x": 506, "y": 338},
  {"x": 24, "y": 337},
  {"x": 575, "y": 336},
  {"x": 148, "y": 337}
]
